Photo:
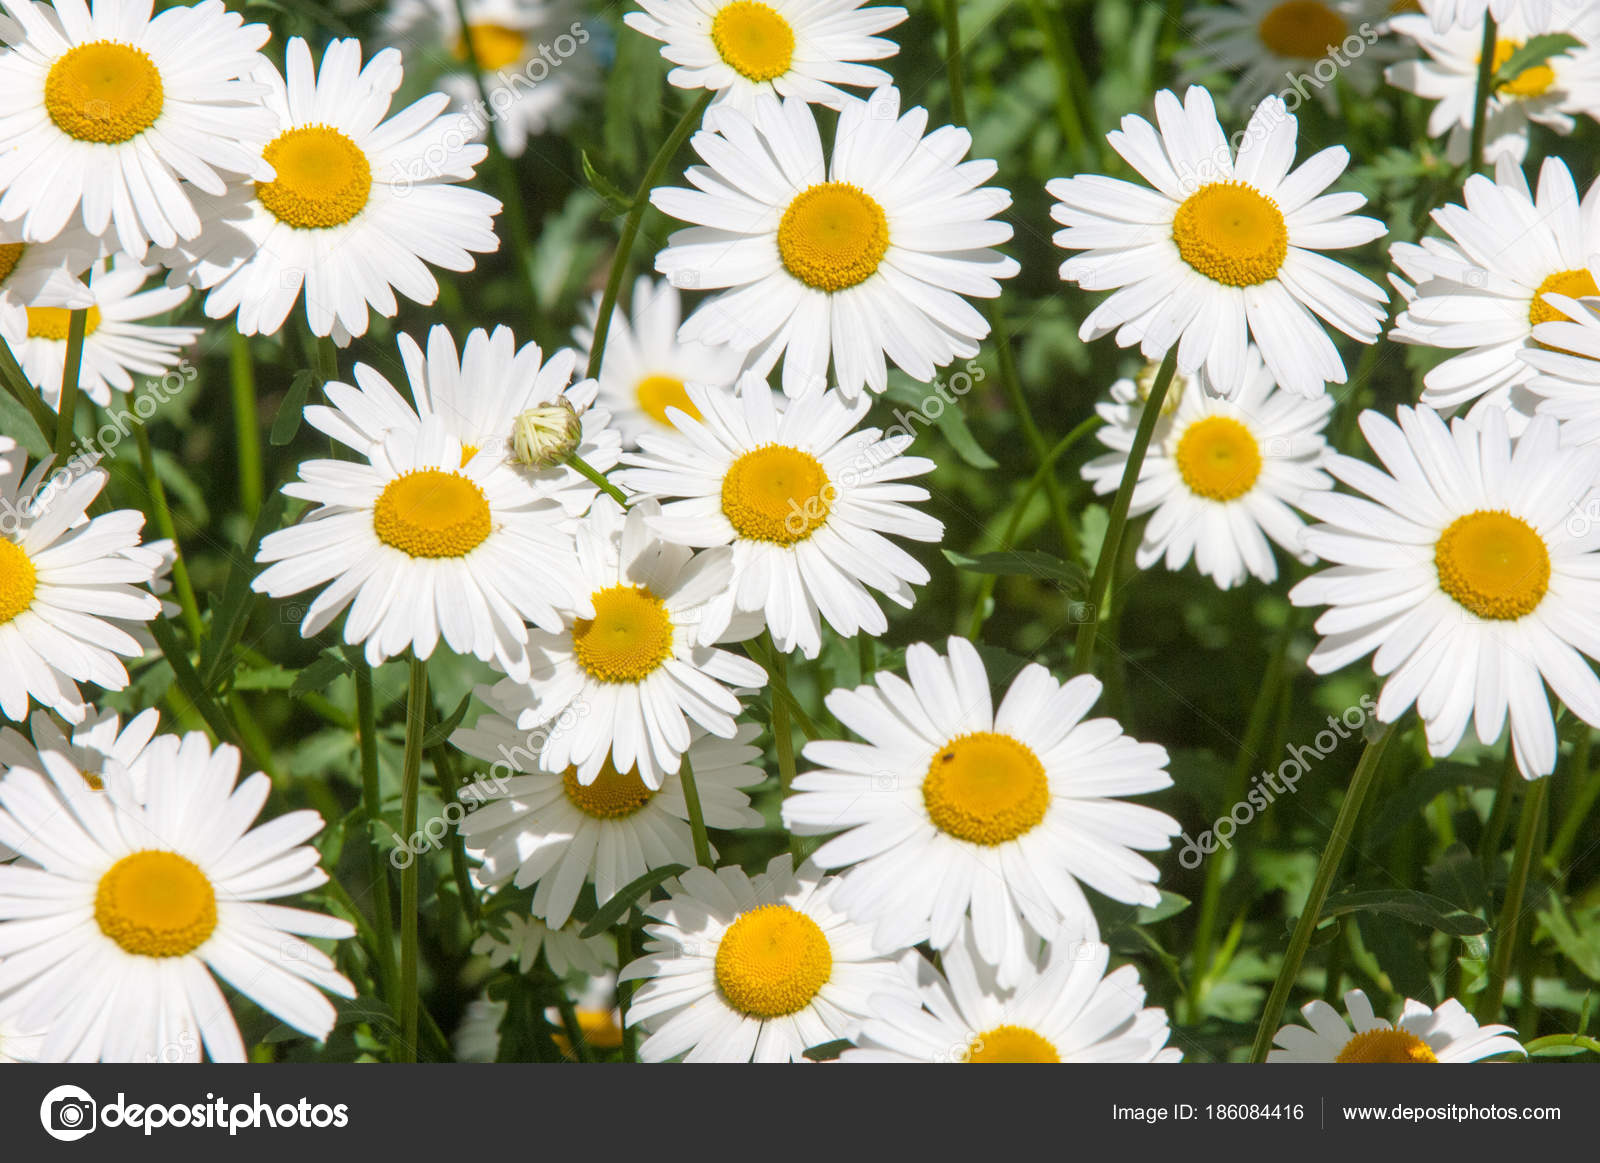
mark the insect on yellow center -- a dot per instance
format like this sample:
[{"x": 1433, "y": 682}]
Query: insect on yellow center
[
  {"x": 611, "y": 796},
  {"x": 323, "y": 179},
  {"x": 104, "y": 92},
  {"x": 1386, "y": 1046},
  {"x": 1574, "y": 284},
  {"x": 1493, "y": 564},
  {"x": 495, "y": 46},
  {"x": 1534, "y": 82},
  {"x": 1303, "y": 29},
  {"x": 657, "y": 393},
  {"x": 772, "y": 961},
  {"x": 629, "y": 636},
  {"x": 432, "y": 513},
  {"x": 10, "y": 256},
  {"x": 156, "y": 904},
  {"x": 1010, "y": 1044},
  {"x": 17, "y": 580},
  {"x": 94, "y": 780},
  {"x": 985, "y": 788},
  {"x": 753, "y": 39},
  {"x": 833, "y": 236},
  {"x": 776, "y": 493},
  {"x": 1232, "y": 234},
  {"x": 53, "y": 322},
  {"x": 1218, "y": 458}
]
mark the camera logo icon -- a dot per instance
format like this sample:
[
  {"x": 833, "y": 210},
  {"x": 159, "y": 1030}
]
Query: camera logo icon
[{"x": 68, "y": 1113}]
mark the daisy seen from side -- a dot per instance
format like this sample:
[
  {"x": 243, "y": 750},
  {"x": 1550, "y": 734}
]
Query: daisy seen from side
[{"x": 1421, "y": 1035}]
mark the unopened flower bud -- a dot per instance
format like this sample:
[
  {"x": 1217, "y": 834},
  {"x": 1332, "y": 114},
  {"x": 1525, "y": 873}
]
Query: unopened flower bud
[{"x": 546, "y": 436}]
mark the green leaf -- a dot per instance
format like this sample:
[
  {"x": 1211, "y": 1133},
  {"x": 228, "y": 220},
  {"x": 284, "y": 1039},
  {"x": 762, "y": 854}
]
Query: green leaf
[
  {"x": 326, "y": 667},
  {"x": 287, "y": 422},
  {"x": 1023, "y": 563},
  {"x": 1578, "y": 936},
  {"x": 440, "y": 732},
  {"x": 611, "y": 912},
  {"x": 827, "y": 1051},
  {"x": 18, "y": 424},
  {"x": 1170, "y": 905},
  {"x": 264, "y": 678},
  {"x": 232, "y": 611},
  {"x": 949, "y": 420},
  {"x": 1419, "y": 908},
  {"x": 616, "y": 201},
  {"x": 1535, "y": 51}
]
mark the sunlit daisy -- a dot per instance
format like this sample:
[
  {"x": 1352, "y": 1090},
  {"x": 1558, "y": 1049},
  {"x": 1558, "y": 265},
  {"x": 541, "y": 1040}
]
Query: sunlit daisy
[
  {"x": 518, "y": 940},
  {"x": 1220, "y": 474},
  {"x": 114, "y": 936},
  {"x": 43, "y": 274},
  {"x": 871, "y": 255},
  {"x": 791, "y": 48},
  {"x": 361, "y": 203},
  {"x": 807, "y": 501},
  {"x": 1446, "y": 1034},
  {"x": 1565, "y": 360},
  {"x": 423, "y": 542},
  {"x": 739, "y": 968},
  {"x": 1466, "y": 574},
  {"x": 1221, "y": 246},
  {"x": 952, "y": 808},
  {"x": 112, "y": 117},
  {"x": 644, "y": 367},
  {"x": 637, "y": 666}
]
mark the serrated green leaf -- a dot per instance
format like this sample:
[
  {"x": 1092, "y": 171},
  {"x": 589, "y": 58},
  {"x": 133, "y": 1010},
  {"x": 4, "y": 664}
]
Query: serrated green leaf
[
  {"x": 287, "y": 422},
  {"x": 1419, "y": 908},
  {"x": 611, "y": 912},
  {"x": 1535, "y": 51},
  {"x": 1023, "y": 563},
  {"x": 326, "y": 667},
  {"x": 264, "y": 678},
  {"x": 827, "y": 1051}
]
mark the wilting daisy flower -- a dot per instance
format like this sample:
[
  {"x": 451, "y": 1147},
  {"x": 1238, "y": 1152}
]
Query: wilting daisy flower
[
  {"x": 739, "y": 968},
  {"x": 804, "y": 498},
  {"x": 358, "y": 206},
  {"x": 1064, "y": 1008},
  {"x": 1548, "y": 93},
  {"x": 521, "y": 939},
  {"x": 110, "y": 115},
  {"x": 1565, "y": 359},
  {"x": 866, "y": 257},
  {"x": 117, "y": 343},
  {"x": 1484, "y": 287},
  {"x": 742, "y": 49},
  {"x": 64, "y": 579},
  {"x": 1221, "y": 246},
  {"x": 113, "y": 937},
  {"x": 1466, "y": 573},
  {"x": 43, "y": 274},
  {"x": 1446, "y": 1034},
  {"x": 1220, "y": 474},
  {"x": 637, "y": 667},
  {"x": 530, "y": 54},
  {"x": 477, "y": 396},
  {"x": 544, "y": 828},
  {"x": 644, "y": 367},
  {"x": 951, "y": 808},
  {"x": 425, "y": 541}
]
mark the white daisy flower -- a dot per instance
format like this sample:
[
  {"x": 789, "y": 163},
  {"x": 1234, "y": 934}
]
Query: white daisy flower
[
  {"x": 754, "y": 969},
  {"x": 644, "y": 367},
  {"x": 117, "y": 344},
  {"x": 18, "y": 1042},
  {"x": 1466, "y": 573},
  {"x": 544, "y": 828},
  {"x": 477, "y": 396},
  {"x": 425, "y": 541},
  {"x": 1469, "y": 13},
  {"x": 805, "y": 499},
  {"x": 866, "y": 256},
  {"x": 360, "y": 205},
  {"x": 1565, "y": 361},
  {"x": 637, "y": 666},
  {"x": 1220, "y": 474},
  {"x": 951, "y": 807},
  {"x": 113, "y": 936},
  {"x": 1446, "y": 1034},
  {"x": 1065, "y": 1008},
  {"x": 113, "y": 118},
  {"x": 1221, "y": 246},
  {"x": 43, "y": 274},
  {"x": 64, "y": 580},
  {"x": 743, "y": 49},
  {"x": 524, "y": 938},
  {"x": 477, "y": 1035},
  {"x": 95, "y": 746}
]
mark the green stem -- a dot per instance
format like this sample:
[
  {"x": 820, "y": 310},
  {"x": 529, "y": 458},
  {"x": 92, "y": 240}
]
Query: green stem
[
  {"x": 372, "y": 801},
  {"x": 1584, "y": 793},
  {"x": 410, "y": 786},
  {"x": 598, "y": 479},
  {"x": 444, "y": 765},
  {"x": 1061, "y": 61},
  {"x": 181, "y": 583},
  {"x": 1327, "y": 869},
  {"x": 184, "y": 674},
  {"x": 27, "y": 395},
  {"x": 777, "y": 679},
  {"x": 630, "y": 227},
  {"x": 697, "y": 819},
  {"x": 1083, "y": 651},
  {"x": 325, "y": 353},
  {"x": 246, "y": 425},
  {"x": 1480, "y": 109},
  {"x": 952, "y": 60},
  {"x": 569, "y": 1022},
  {"x": 1505, "y": 935},
  {"x": 630, "y": 1037},
  {"x": 1494, "y": 828},
  {"x": 782, "y": 734},
  {"x": 71, "y": 372}
]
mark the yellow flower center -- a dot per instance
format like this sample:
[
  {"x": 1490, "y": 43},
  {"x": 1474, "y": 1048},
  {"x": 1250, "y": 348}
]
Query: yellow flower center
[
  {"x": 494, "y": 45},
  {"x": 753, "y": 39},
  {"x": 776, "y": 493},
  {"x": 600, "y": 1029},
  {"x": 985, "y": 788},
  {"x": 1218, "y": 458},
  {"x": 323, "y": 178},
  {"x": 156, "y": 904},
  {"x": 17, "y": 580},
  {"x": 104, "y": 92},
  {"x": 1493, "y": 564},
  {"x": 658, "y": 393},
  {"x": 1574, "y": 284},
  {"x": 1532, "y": 82},
  {"x": 53, "y": 322},
  {"x": 611, "y": 796},
  {"x": 432, "y": 513},
  {"x": 1386, "y": 1046},
  {"x": 833, "y": 236},
  {"x": 629, "y": 636},
  {"x": 10, "y": 256},
  {"x": 1010, "y": 1044},
  {"x": 1303, "y": 29},
  {"x": 1231, "y": 233},
  {"x": 772, "y": 961}
]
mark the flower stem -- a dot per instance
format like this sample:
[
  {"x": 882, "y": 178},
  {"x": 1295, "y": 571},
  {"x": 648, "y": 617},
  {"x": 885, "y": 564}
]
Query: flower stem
[
  {"x": 952, "y": 59},
  {"x": 372, "y": 800},
  {"x": 1505, "y": 935},
  {"x": 630, "y": 1036},
  {"x": 77, "y": 327},
  {"x": 246, "y": 425},
  {"x": 1586, "y": 790},
  {"x": 1480, "y": 108},
  {"x": 1062, "y": 61},
  {"x": 697, "y": 819},
  {"x": 1327, "y": 868},
  {"x": 597, "y": 478},
  {"x": 410, "y": 786},
  {"x": 181, "y": 583}
]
